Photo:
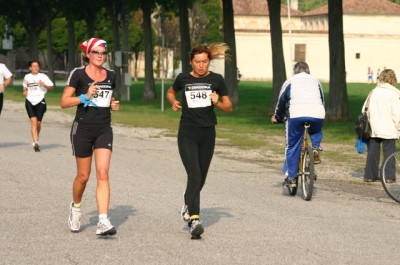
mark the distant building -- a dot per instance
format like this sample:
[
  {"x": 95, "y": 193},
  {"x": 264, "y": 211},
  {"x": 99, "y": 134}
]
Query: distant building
[{"x": 371, "y": 35}]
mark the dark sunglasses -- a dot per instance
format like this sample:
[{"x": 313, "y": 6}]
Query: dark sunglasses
[{"x": 99, "y": 53}]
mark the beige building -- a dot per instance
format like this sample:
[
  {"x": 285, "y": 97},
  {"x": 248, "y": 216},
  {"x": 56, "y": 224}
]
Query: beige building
[{"x": 371, "y": 35}]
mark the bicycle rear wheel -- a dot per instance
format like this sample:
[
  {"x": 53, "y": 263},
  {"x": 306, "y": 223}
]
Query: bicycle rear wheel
[
  {"x": 308, "y": 173},
  {"x": 390, "y": 172}
]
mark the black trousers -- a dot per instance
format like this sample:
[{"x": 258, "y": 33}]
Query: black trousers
[
  {"x": 196, "y": 148},
  {"x": 373, "y": 158}
]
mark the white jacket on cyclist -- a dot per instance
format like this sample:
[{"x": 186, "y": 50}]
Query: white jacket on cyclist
[
  {"x": 384, "y": 111},
  {"x": 300, "y": 96}
]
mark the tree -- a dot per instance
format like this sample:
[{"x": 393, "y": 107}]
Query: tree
[
  {"x": 136, "y": 38},
  {"x": 198, "y": 20},
  {"x": 51, "y": 14},
  {"x": 278, "y": 61},
  {"x": 89, "y": 9},
  {"x": 113, "y": 9},
  {"x": 31, "y": 15},
  {"x": 311, "y": 4},
  {"x": 213, "y": 11},
  {"x": 230, "y": 66},
  {"x": 171, "y": 42},
  {"x": 149, "y": 91},
  {"x": 72, "y": 13},
  {"x": 184, "y": 33},
  {"x": 205, "y": 18},
  {"x": 338, "y": 106}
]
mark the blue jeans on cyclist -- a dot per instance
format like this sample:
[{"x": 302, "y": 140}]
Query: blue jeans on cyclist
[{"x": 294, "y": 130}]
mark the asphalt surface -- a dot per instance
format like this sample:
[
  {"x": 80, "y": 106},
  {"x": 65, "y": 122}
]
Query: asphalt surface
[{"x": 248, "y": 217}]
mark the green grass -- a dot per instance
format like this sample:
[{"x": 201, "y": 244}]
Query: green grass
[{"x": 248, "y": 126}]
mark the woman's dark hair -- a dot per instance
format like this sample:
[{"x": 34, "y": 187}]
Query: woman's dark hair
[
  {"x": 31, "y": 62},
  {"x": 214, "y": 50}
]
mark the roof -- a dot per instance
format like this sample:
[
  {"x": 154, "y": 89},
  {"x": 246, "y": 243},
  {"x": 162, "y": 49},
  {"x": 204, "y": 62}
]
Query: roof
[
  {"x": 370, "y": 7},
  {"x": 258, "y": 8}
]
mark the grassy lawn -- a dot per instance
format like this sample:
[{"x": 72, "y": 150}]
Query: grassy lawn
[
  {"x": 247, "y": 127},
  {"x": 249, "y": 116}
]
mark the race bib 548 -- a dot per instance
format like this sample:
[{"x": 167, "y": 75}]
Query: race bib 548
[{"x": 198, "y": 95}]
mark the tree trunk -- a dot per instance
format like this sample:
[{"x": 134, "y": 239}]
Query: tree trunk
[
  {"x": 229, "y": 38},
  {"x": 149, "y": 92},
  {"x": 185, "y": 35},
  {"x": 33, "y": 40},
  {"x": 50, "y": 49},
  {"x": 71, "y": 44},
  {"x": 90, "y": 24},
  {"x": 338, "y": 105},
  {"x": 125, "y": 50},
  {"x": 278, "y": 60},
  {"x": 113, "y": 15}
]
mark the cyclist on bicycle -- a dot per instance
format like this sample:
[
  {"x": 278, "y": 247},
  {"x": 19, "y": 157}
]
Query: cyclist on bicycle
[{"x": 301, "y": 99}]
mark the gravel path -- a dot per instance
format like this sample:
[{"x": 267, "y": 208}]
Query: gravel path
[{"x": 248, "y": 217}]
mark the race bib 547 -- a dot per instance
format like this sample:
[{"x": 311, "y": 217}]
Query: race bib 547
[{"x": 103, "y": 96}]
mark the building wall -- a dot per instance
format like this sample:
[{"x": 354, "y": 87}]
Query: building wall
[{"x": 375, "y": 38}]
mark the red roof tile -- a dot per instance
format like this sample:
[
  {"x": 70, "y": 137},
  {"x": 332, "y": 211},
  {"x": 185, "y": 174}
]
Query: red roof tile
[
  {"x": 370, "y": 7},
  {"x": 258, "y": 7}
]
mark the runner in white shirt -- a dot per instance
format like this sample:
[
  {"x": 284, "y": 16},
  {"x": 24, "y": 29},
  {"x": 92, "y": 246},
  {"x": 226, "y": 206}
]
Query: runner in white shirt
[
  {"x": 35, "y": 86},
  {"x": 5, "y": 80}
]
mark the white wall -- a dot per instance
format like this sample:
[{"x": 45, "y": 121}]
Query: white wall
[{"x": 376, "y": 38}]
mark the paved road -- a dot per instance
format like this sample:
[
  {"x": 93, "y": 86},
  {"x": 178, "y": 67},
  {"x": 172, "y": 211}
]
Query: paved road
[{"x": 248, "y": 217}]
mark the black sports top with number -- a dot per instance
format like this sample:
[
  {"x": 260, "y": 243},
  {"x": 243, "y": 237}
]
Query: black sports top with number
[
  {"x": 197, "y": 107},
  {"x": 79, "y": 80}
]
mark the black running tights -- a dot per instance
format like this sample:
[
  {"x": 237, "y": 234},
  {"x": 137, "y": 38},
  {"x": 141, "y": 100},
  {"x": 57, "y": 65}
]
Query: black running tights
[{"x": 196, "y": 148}]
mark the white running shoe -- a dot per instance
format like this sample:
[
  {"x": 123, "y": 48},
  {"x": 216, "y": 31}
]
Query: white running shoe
[
  {"x": 36, "y": 147},
  {"x": 74, "y": 219},
  {"x": 104, "y": 227},
  {"x": 185, "y": 213},
  {"x": 196, "y": 228}
]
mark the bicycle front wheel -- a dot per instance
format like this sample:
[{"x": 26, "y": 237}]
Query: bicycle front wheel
[
  {"x": 390, "y": 171},
  {"x": 308, "y": 173}
]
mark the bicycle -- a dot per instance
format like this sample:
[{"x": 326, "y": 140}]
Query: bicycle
[
  {"x": 391, "y": 168},
  {"x": 306, "y": 168}
]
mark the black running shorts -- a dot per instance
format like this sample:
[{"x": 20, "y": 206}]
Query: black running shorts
[
  {"x": 85, "y": 137},
  {"x": 36, "y": 110}
]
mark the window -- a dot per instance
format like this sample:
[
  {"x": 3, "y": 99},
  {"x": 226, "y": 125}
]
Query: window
[{"x": 299, "y": 52}]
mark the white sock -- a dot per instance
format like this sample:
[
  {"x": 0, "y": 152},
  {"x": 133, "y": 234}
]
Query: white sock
[{"x": 102, "y": 216}]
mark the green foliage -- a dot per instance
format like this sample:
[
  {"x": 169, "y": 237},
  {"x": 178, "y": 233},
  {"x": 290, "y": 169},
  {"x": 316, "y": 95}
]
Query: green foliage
[
  {"x": 104, "y": 28},
  {"x": 136, "y": 38},
  {"x": 307, "y": 5},
  {"x": 206, "y": 22},
  {"x": 213, "y": 9}
]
